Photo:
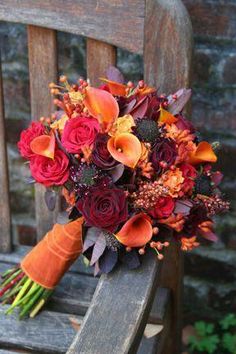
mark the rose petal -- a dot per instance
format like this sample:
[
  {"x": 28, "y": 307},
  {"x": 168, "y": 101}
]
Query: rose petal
[
  {"x": 125, "y": 148},
  {"x": 115, "y": 88},
  {"x": 203, "y": 153},
  {"x": 44, "y": 145},
  {"x": 166, "y": 117},
  {"x": 136, "y": 232},
  {"x": 101, "y": 105}
]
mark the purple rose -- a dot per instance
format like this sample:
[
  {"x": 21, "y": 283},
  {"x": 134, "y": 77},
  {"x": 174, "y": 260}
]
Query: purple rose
[
  {"x": 100, "y": 155},
  {"x": 164, "y": 154},
  {"x": 104, "y": 207}
]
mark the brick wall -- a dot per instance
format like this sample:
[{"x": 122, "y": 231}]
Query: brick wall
[{"x": 214, "y": 106}]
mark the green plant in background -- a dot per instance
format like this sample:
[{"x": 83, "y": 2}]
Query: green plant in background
[{"x": 214, "y": 339}]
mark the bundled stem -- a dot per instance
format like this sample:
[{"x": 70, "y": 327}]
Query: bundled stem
[{"x": 23, "y": 293}]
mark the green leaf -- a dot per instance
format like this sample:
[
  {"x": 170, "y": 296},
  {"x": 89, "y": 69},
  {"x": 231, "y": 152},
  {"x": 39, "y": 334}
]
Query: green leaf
[
  {"x": 228, "y": 321},
  {"x": 203, "y": 328},
  {"x": 229, "y": 342}
]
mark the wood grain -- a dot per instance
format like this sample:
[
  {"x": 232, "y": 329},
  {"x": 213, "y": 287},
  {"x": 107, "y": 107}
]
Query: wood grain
[
  {"x": 50, "y": 332},
  {"x": 99, "y": 57},
  {"x": 5, "y": 217},
  {"x": 167, "y": 45},
  {"x": 167, "y": 65},
  {"x": 118, "y": 22},
  {"x": 43, "y": 70},
  {"x": 119, "y": 311}
]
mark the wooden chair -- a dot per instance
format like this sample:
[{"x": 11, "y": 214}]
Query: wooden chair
[{"x": 124, "y": 301}]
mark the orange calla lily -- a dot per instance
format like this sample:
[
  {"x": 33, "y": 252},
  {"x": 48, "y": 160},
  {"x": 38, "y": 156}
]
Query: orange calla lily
[
  {"x": 136, "y": 232},
  {"x": 115, "y": 88},
  {"x": 101, "y": 105},
  {"x": 166, "y": 117},
  {"x": 203, "y": 153},
  {"x": 44, "y": 145},
  {"x": 125, "y": 148}
]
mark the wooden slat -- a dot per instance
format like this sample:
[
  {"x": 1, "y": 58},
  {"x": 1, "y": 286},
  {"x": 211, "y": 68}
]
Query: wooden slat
[
  {"x": 43, "y": 70},
  {"x": 167, "y": 45},
  {"x": 50, "y": 332},
  {"x": 167, "y": 64},
  {"x": 119, "y": 311},
  {"x": 118, "y": 22},
  {"x": 5, "y": 218},
  {"x": 99, "y": 57}
]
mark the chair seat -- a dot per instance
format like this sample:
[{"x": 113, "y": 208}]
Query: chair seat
[{"x": 54, "y": 329}]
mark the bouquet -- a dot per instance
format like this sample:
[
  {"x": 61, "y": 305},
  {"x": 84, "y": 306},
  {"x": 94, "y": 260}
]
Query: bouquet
[{"x": 135, "y": 175}]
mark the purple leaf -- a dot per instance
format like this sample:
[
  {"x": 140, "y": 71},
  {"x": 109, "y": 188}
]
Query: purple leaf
[
  {"x": 98, "y": 248},
  {"x": 175, "y": 106},
  {"x": 216, "y": 178},
  {"x": 141, "y": 108},
  {"x": 116, "y": 172},
  {"x": 97, "y": 270},
  {"x": 128, "y": 108},
  {"x": 30, "y": 180},
  {"x": 131, "y": 259},
  {"x": 183, "y": 207},
  {"x": 114, "y": 74},
  {"x": 91, "y": 237},
  {"x": 108, "y": 261},
  {"x": 50, "y": 198}
]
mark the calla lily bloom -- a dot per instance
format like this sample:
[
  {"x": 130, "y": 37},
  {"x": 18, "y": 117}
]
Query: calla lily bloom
[
  {"x": 166, "y": 117},
  {"x": 125, "y": 148},
  {"x": 44, "y": 145},
  {"x": 101, "y": 105},
  {"x": 115, "y": 88},
  {"x": 203, "y": 153},
  {"x": 136, "y": 232}
]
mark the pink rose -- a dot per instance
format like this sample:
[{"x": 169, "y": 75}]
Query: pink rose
[
  {"x": 50, "y": 172},
  {"x": 78, "y": 133},
  {"x": 35, "y": 129}
]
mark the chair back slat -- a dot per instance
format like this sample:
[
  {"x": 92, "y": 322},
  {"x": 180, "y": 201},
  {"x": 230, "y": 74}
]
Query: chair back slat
[
  {"x": 5, "y": 218},
  {"x": 99, "y": 57},
  {"x": 167, "y": 65},
  {"x": 109, "y": 21},
  {"x": 43, "y": 70}
]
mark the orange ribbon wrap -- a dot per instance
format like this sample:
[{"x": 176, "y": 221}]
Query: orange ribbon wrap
[{"x": 48, "y": 261}]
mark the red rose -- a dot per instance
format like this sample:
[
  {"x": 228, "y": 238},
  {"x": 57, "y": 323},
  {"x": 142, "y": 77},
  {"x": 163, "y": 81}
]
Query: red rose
[
  {"x": 48, "y": 171},
  {"x": 78, "y": 133},
  {"x": 35, "y": 129},
  {"x": 163, "y": 208},
  {"x": 104, "y": 207},
  {"x": 100, "y": 154},
  {"x": 189, "y": 173}
]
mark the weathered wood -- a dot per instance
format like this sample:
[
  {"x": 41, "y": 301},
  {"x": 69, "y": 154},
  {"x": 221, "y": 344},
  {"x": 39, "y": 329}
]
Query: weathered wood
[
  {"x": 118, "y": 22},
  {"x": 167, "y": 45},
  {"x": 5, "y": 217},
  {"x": 99, "y": 57},
  {"x": 43, "y": 70},
  {"x": 51, "y": 332},
  {"x": 167, "y": 65},
  {"x": 160, "y": 305},
  {"x": 119, "y": 310}
]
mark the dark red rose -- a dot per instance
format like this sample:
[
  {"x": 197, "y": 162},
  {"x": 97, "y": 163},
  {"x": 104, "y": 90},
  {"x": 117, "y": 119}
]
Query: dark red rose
[
  {"x": 164, "y": 154},
  {"x": 104, "y": 207},
  {"x": 163, "y": 208},
  {"x": 198, "y": 214},
  {"x": 100, "y": 155},
  {"x": 35, "y": 129},
  {"x": 79, "y": 132},
  {"x": 189, "y": 173},
  {"x": 50, "y": 172}
]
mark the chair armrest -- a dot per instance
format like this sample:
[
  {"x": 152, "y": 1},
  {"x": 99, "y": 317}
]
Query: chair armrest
[{"x": 117, "y": 316}]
